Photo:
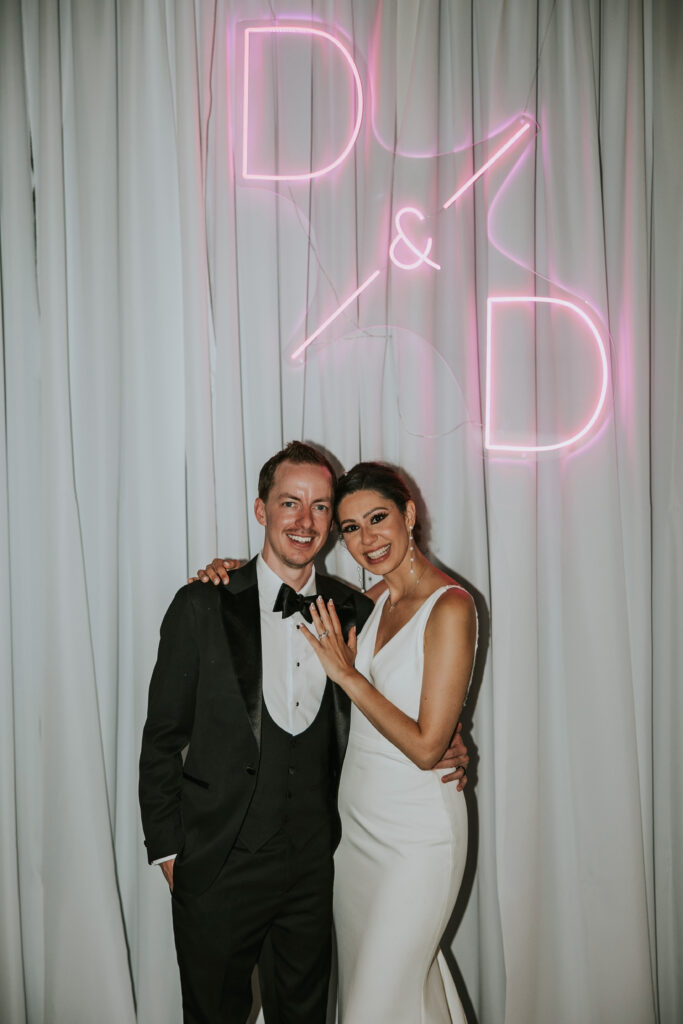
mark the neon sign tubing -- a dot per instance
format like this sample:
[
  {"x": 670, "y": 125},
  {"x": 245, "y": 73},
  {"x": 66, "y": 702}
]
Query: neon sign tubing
[
  {"x": 347, "y": 302},
  {"x": 489, "y": 375},
  {"x": 421, "y": 257},
  {"x": 296, "y": 30},
  {"x": 489, "y": 163}
]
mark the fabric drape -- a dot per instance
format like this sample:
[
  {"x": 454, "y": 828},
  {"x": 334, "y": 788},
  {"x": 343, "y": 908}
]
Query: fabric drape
[{"x": 151, "y": 300}]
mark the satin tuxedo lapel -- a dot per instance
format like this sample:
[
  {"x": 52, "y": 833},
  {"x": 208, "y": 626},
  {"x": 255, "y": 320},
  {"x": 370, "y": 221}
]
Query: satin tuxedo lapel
[{"x": 242, "y": 623}]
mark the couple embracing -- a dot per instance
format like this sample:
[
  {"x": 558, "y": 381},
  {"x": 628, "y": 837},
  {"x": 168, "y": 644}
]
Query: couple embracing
[{"x": 261, "y": 690}]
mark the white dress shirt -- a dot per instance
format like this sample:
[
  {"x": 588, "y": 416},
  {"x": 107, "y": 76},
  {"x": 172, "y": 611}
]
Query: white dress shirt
[{"x": 293, "y": 678}]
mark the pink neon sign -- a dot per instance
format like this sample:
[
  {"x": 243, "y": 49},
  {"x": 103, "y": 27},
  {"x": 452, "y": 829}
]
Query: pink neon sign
[
  {"x": 292, "y": 31},
  {"x": 490, "y": 442},
  {"x": 405, "y": 252}
]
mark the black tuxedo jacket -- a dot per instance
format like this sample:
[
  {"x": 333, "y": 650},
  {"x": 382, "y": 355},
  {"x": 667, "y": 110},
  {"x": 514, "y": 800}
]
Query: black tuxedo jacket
[{"x": 206, "y": 695}]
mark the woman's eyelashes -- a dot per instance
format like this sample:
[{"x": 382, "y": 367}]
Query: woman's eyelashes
[{"x": 374, "y": 519}]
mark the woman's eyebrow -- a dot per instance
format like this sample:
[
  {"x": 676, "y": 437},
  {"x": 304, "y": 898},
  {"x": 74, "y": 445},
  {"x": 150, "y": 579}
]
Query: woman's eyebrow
[{"x": 379, "y": 508}]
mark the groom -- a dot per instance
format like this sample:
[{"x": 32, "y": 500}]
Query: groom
[{"x": 245, "y": 826}]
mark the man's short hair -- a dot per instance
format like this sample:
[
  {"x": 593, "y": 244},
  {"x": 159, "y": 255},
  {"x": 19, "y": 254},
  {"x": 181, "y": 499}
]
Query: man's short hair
[{"x": 301, "y": 455}]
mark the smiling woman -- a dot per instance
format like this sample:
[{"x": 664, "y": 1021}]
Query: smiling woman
[{"x": 402, "y": 831}]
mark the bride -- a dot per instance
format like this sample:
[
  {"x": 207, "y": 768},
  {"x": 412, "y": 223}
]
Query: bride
[{"x": 402, "y": 854}]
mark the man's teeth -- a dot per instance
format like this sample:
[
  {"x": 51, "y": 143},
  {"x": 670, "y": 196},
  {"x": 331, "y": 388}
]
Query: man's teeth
[
  {"x": 380, "y": 553},
  {"x": 299, "y": 540}
]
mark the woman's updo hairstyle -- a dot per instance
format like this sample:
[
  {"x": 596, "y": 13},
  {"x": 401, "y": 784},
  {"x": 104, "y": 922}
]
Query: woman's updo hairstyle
[{"x": 375, "y": 476}]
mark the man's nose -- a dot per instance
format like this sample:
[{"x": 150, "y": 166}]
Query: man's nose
[{"x": 305, "y": 517}]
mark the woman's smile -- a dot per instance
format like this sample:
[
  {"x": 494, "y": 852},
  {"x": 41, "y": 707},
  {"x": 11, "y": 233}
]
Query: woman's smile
[{"x": 378, "y": 554}]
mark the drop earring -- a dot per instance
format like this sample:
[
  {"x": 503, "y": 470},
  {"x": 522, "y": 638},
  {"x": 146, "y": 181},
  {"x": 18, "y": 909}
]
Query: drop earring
[
  {"x": 411, "y": 549},
  {"x": 361, "y": 579}
]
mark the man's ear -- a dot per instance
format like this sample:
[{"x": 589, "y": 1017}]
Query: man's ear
[{"x": 260, "y": 511}]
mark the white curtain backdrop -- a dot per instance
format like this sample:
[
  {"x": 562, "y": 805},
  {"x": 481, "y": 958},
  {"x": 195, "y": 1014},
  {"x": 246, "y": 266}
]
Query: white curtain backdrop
[{"x": 151, "y": 299}]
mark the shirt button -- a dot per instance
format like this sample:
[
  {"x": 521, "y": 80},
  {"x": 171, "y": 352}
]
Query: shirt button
[
  {"x": 298, "y": 664},
  {"x": 297, "y": 704},
  {"x": 292, "y": 771}
]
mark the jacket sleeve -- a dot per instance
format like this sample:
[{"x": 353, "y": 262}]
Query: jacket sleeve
[{"x": 167, "y": 730}]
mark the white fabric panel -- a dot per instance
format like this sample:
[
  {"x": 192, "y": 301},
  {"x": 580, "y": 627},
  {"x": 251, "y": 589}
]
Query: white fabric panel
[
  {"x": 70, "y": 912},
  {"x": 152, "y": 514},
  {"x": 571, "y": 860},
  {"x": 666, "y": 377},
  {"x": 150, "y": 307},
  {"x": 19, "y": 519}
]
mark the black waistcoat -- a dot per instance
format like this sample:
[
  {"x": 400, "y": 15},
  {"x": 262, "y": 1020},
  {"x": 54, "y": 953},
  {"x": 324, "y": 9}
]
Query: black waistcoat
[{"x": 294, "y": 789}]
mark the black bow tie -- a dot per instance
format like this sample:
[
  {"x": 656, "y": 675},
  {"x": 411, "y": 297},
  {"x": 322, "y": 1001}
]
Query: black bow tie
[{"x": 288, "y": 602}]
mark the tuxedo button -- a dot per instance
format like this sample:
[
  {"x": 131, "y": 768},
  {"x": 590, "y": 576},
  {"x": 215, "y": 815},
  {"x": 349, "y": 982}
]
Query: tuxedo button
[
  {"x": 292, "y": 771},
  {"x": 249, "y": 769}
]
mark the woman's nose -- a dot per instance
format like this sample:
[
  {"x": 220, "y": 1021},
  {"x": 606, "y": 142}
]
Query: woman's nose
[{"x": 365, "y": 533}]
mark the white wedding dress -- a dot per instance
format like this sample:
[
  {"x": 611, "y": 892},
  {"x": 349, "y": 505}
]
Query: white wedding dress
[{"x": 400, "y": 862}]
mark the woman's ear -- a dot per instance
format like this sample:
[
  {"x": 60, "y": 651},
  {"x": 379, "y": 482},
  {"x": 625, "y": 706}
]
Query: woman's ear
[{"x": 410, "y": 514}]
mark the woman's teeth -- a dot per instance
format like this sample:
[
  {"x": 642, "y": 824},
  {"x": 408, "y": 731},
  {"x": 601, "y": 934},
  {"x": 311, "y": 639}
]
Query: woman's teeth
[{"x": 373, "y": 556}]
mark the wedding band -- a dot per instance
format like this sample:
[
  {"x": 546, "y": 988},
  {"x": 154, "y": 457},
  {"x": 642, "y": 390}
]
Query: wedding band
[{"x": 321, "y": 636}]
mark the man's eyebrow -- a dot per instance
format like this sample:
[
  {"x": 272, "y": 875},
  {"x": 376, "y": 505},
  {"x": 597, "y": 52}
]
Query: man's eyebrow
[
  {"x": 378, "y": 508},
  {"x": 295, "y": 497}
]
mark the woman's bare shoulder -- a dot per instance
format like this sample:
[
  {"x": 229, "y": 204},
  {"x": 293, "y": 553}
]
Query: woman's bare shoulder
[{"x": 454, "y": 605}]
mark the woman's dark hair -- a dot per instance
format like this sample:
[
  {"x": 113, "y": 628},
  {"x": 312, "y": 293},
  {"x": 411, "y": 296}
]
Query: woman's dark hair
[
  {"x": 300, "y": 454},
  {"x": 375, "y": 476}
]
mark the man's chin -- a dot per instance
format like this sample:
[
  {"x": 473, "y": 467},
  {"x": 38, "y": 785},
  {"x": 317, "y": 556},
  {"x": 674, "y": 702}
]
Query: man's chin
[
  {"x": 298, "y": 559},
  {"x": 299, "y": 563}
]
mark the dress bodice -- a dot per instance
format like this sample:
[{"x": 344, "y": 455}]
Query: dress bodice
[{"x": 396, "y": 670}]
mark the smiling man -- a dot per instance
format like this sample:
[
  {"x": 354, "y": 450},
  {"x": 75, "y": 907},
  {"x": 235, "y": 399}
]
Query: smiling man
[{"x": 244, "y": 829}]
